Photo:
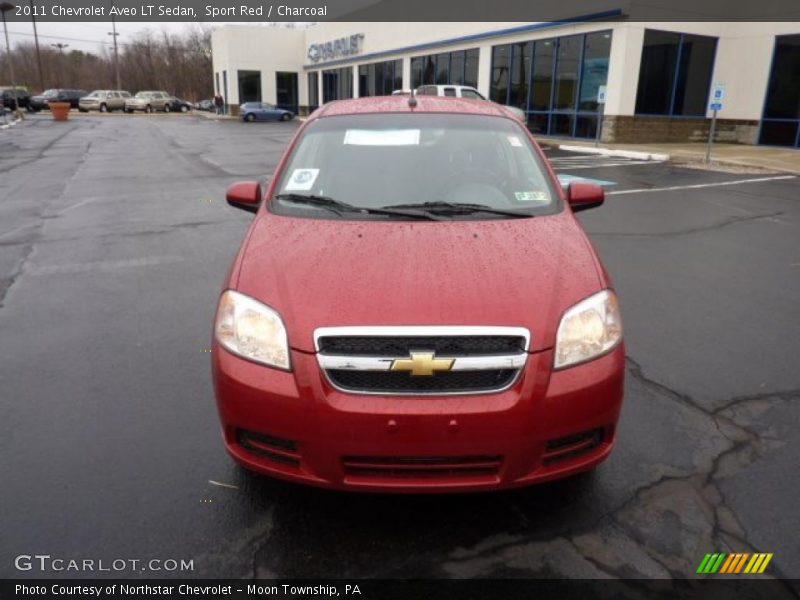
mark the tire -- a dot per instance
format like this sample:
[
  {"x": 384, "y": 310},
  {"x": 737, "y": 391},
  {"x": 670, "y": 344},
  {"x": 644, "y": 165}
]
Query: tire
[
  {"x": 103, "y": 108},
  {"x": 85, "y": 110},
  {"x": 167, "y": 108},
  {"x": 148, "y": 109},
  {"x": 128, "y": 111},
  {"x": 184, "y": 108},
  {"x": 249, "y": 118},
  {"x": 286, "y": 117}
]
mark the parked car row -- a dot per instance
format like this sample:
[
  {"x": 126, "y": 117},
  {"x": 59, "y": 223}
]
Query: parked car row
[{"x": 99, "y": 100}]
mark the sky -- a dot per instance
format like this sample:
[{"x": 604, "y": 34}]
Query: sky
[{"x": 92, "y": 36}]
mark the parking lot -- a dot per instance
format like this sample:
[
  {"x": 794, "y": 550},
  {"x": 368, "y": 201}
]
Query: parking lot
[{"x": 114, "y": 241}]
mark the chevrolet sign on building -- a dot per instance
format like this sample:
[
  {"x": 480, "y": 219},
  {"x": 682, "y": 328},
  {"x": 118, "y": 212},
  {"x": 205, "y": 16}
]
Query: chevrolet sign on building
[{"x": 338, "y": 48}]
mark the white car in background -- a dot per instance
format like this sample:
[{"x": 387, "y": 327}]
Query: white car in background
[{"x": 463, "y": 91}]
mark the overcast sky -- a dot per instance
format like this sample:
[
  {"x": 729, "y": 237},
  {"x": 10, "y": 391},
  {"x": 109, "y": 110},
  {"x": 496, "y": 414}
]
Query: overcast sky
[{"x": 90, "y": 37}]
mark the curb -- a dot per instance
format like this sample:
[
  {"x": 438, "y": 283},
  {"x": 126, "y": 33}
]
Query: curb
[{"x": 615, "y": 153}]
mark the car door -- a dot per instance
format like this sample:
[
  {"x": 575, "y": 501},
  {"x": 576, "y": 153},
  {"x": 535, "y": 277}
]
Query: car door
[{"x": 273, "y": 112}]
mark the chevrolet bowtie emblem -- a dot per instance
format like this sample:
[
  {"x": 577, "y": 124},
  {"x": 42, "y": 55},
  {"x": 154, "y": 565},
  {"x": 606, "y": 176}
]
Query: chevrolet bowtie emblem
[{"x": 422, "y": 363}]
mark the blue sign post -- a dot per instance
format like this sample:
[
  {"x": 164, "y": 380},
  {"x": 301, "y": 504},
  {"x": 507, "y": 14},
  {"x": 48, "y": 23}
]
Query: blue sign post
[
  {"x": 601, "y": 105},
  {"x": 717, "y": 96}
]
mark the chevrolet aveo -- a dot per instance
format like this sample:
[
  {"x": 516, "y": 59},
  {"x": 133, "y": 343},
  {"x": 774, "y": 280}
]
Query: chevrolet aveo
[{"x": 415, "y": 308}]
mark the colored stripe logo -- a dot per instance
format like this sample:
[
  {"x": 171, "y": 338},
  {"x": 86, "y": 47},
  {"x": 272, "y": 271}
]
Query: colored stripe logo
[{"x": 734, "y": 563}]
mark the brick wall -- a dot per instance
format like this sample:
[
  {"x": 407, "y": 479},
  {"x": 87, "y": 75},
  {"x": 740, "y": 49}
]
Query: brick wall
[{"x": 641, "y": 130}]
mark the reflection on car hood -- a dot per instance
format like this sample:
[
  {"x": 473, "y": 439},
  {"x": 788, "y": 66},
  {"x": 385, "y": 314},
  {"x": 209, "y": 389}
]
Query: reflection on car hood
[{"x": 317, "y": 273}]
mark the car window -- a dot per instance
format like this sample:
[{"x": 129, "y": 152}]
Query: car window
[
  {"x": 449, "y": 91},
  {"x": 126, "y": 94},
  {"x": 471, "y": 94},
  {"x": 379, "y": 160}
]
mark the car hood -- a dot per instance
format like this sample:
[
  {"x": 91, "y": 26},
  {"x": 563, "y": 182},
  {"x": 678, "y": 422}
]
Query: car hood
[{"x": 323, "y": 273}]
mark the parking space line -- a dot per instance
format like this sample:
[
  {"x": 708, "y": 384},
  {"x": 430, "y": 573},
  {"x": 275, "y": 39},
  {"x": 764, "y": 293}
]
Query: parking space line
[{"x": 702, "y": 185}]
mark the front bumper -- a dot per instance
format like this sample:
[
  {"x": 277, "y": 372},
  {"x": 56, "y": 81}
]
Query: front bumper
[{"x": 295, "y": 426}]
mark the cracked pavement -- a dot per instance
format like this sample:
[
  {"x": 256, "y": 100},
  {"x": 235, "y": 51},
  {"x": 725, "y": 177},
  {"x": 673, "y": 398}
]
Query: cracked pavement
[{"x": 114, "y": 239}]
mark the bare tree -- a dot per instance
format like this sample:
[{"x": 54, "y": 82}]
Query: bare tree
[{"x": 177, "y": 63}]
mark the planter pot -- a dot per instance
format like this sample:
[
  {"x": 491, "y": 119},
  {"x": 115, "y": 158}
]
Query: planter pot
[{"x": 60, "y": 110}]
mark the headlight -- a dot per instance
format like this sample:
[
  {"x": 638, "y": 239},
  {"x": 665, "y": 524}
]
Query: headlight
[
  {"x": 252, "y": 330},
  {"x": 589, "y": 329}
]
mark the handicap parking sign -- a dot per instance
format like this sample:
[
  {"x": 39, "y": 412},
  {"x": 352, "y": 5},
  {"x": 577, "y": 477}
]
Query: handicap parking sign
[
  {"x": 718, "y": 92},
  {"x": 716, "y": 106}
]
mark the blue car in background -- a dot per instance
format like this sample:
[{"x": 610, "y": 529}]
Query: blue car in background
[{"x": 263, "y": 111}]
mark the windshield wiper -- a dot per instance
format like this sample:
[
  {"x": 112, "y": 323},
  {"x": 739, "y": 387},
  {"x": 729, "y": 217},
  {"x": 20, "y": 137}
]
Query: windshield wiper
[
  {"x": 463, "y": 208},
  {"x": 338, "y": 207}
]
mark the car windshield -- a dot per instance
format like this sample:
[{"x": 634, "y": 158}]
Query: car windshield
[
  {"x": 142, "y": 95},
  {"x": 410, "y": 161},
  {"x": 50, "y": 93}
]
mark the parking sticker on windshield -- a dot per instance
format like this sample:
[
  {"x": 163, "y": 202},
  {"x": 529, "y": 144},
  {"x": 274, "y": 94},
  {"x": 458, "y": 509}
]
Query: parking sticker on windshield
[
  {"x": 534, "y": 196},
  {"x": 302, "y": 180},
  {"x": 514, "y": 141},
  {"x": 386, "y": 137}
]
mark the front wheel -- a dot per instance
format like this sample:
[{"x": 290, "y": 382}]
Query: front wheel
[
  {"x": 166, "y": 108},
  {"x": 286, "y": 117},
  {"x": 184, "y": 108},
  {"x": 103, "y": 108},
  {"x": 249, "y": 118},
  {"x": 148, "y": 109}
]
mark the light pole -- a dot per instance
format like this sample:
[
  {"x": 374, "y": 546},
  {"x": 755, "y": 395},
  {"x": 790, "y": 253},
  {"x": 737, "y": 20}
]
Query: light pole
[
  {"x": 4, "y": 8},
  {"x": 61, "y": 47},
  {"x": 36, "y": 41},
  {"x": 114, "y": 33}
]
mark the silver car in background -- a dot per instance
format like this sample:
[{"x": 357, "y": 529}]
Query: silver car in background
[
  {"x": 104, "y": 100},
  {"x": 149, "y": 101},
  {"x": 465, "y": 91}
]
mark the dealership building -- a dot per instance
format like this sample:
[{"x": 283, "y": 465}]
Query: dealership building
[{"x": 644, "y": 81}]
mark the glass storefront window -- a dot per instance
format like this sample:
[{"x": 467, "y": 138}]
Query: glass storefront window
[
  {"x": 313, "y": 91},
  {"x": 596, "y": 51},
  {"x": 501, "y": 64},
  {"x": 380, "y": 79},
  {"x": 567, "y": 71},
  {"x": 337, "y": 84},
  {"x": 675, "y": 73},
  {"x": 459, "y": 67},
  {"x": 544, "y": 77},
  {"x": 520, "y": 74},
  {"x": 782, "y": 107}
]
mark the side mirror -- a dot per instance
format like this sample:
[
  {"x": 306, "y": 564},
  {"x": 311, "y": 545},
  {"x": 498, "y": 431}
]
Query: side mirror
[
  {"x": 245, "y": 195},
  {"x": 583, "y": 195}
]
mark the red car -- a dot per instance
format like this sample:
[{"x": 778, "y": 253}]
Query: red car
[{"x": 416, "y": 309}]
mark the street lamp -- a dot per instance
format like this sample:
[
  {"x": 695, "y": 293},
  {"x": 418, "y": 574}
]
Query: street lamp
[
  {"x": 4, "y": 8},
  {"x": 36, "y": 40},
  {"x": 61, "y": 47}
]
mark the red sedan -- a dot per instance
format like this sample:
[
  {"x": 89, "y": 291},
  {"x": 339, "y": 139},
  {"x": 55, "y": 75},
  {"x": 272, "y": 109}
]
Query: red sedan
[{"x": 415, "y": 308}]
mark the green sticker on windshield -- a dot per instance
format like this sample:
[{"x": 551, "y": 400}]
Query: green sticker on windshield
[{"x": 534, "y": 196}]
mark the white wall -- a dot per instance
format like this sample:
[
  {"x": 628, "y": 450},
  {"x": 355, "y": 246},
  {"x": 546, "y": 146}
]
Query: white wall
[
  {"x": 743, "y": 59},
  {"x": 255, "y": 48}
]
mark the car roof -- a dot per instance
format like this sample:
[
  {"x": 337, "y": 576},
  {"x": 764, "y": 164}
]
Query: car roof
[{"x": 400, "y": 104}]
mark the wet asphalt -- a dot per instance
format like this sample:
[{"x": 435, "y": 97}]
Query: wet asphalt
[{"x": 114, "y": 241}]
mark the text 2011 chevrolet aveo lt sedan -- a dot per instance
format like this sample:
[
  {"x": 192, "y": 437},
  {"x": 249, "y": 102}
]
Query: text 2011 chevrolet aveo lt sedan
[{"x": 415, "y": 308}]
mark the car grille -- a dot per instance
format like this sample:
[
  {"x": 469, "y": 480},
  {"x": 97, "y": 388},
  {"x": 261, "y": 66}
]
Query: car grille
[
  {"x": 421, "y": 466},
  {"x": 401, "y": 360},
  {"x": 396, "y": 381},
  {"x": 442, "y": 345}
]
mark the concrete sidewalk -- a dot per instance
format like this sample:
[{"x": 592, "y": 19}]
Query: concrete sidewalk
[{"x": 771, "y": 158}]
